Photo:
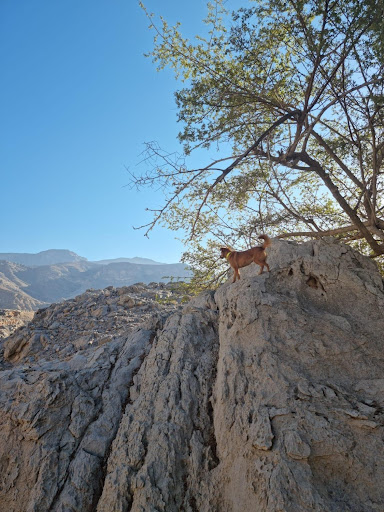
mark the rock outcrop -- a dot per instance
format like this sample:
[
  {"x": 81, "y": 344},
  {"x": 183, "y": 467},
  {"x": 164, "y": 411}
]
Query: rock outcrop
[
  {"x": 266, "y": 395},
  {"x": 10, "y": 320}
]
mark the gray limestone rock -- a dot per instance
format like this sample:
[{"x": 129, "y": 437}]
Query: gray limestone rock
[{"x": 266, "y": 395}]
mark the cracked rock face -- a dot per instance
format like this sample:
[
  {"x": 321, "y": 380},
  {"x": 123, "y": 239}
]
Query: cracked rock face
[{"x": 266, "y": 395}]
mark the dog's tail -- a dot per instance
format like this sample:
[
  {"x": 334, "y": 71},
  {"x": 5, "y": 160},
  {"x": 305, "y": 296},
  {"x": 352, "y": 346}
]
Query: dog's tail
[{"x": 267, "y": 241}]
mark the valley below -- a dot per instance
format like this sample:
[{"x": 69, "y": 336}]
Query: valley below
[{"x": 47, "y": 278}]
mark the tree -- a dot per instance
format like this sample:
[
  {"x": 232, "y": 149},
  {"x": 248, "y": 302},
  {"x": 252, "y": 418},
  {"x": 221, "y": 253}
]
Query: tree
[{"x": 290, "y": 95}]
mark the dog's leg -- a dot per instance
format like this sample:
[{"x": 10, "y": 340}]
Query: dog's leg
[
  {"x": 261, "y": 268},
  {"x": 236, "y": 275}
]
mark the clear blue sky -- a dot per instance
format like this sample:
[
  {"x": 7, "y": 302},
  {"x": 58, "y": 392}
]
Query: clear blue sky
[{"x": 78, "y": 100}]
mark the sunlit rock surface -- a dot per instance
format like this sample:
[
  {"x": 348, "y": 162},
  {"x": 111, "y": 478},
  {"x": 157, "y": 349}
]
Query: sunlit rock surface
[{"x": 266, "y": 395}]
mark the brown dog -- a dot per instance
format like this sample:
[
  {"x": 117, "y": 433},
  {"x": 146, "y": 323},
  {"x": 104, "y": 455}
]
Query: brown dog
[{"x": 239, "y": 259}]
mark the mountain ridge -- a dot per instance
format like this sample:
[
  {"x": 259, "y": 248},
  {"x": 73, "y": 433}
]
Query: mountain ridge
[
  {"x": 29, "y": 288},
  {"x": 54, "y": 256},
  {"x": 48, "y": 257},
  {"x": 136, "y": 259}
]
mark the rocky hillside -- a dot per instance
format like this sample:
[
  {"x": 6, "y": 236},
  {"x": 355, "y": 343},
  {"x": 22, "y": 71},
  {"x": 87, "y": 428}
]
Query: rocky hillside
[
  {"x": 267, "y": 395},
  {"x": 11, "y": 320},
  {"x": 28, "y": 288},
  {"x": 12, "y": 294}
]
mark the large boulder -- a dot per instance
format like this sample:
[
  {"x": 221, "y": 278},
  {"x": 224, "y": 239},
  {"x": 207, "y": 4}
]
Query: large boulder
[{"x": 266, "y": 395}]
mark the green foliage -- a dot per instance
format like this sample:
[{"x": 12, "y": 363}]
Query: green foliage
[{"x": 288, "y": 97}]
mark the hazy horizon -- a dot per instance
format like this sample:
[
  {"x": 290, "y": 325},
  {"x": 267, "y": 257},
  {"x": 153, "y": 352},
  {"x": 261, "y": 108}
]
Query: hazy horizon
[{"x": 121, "y": 257}]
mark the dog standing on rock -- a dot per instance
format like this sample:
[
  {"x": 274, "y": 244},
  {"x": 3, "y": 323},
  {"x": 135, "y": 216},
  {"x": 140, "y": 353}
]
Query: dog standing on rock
[{"x": 239, "y": 259}]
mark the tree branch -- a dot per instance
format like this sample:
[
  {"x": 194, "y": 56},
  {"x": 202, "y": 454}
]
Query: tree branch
[
  {"x": 219, "y": 179},
  {"x": 377, "y": 249}
]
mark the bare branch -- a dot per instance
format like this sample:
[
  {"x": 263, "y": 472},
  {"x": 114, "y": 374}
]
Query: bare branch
[{"x": 225, "y": 172}]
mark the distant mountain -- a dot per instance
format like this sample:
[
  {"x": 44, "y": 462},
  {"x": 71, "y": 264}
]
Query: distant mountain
[
  {"x": 50, "y": 257},
  {"x": 124, "y": 274},
  {"x": 12, "y": 289},
  {"x": 140, "y": 261},
  {"x": 29, "y": 288}
]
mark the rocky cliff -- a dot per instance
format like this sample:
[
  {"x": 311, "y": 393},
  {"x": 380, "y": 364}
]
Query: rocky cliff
[{"x": 266, "y": 395}]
